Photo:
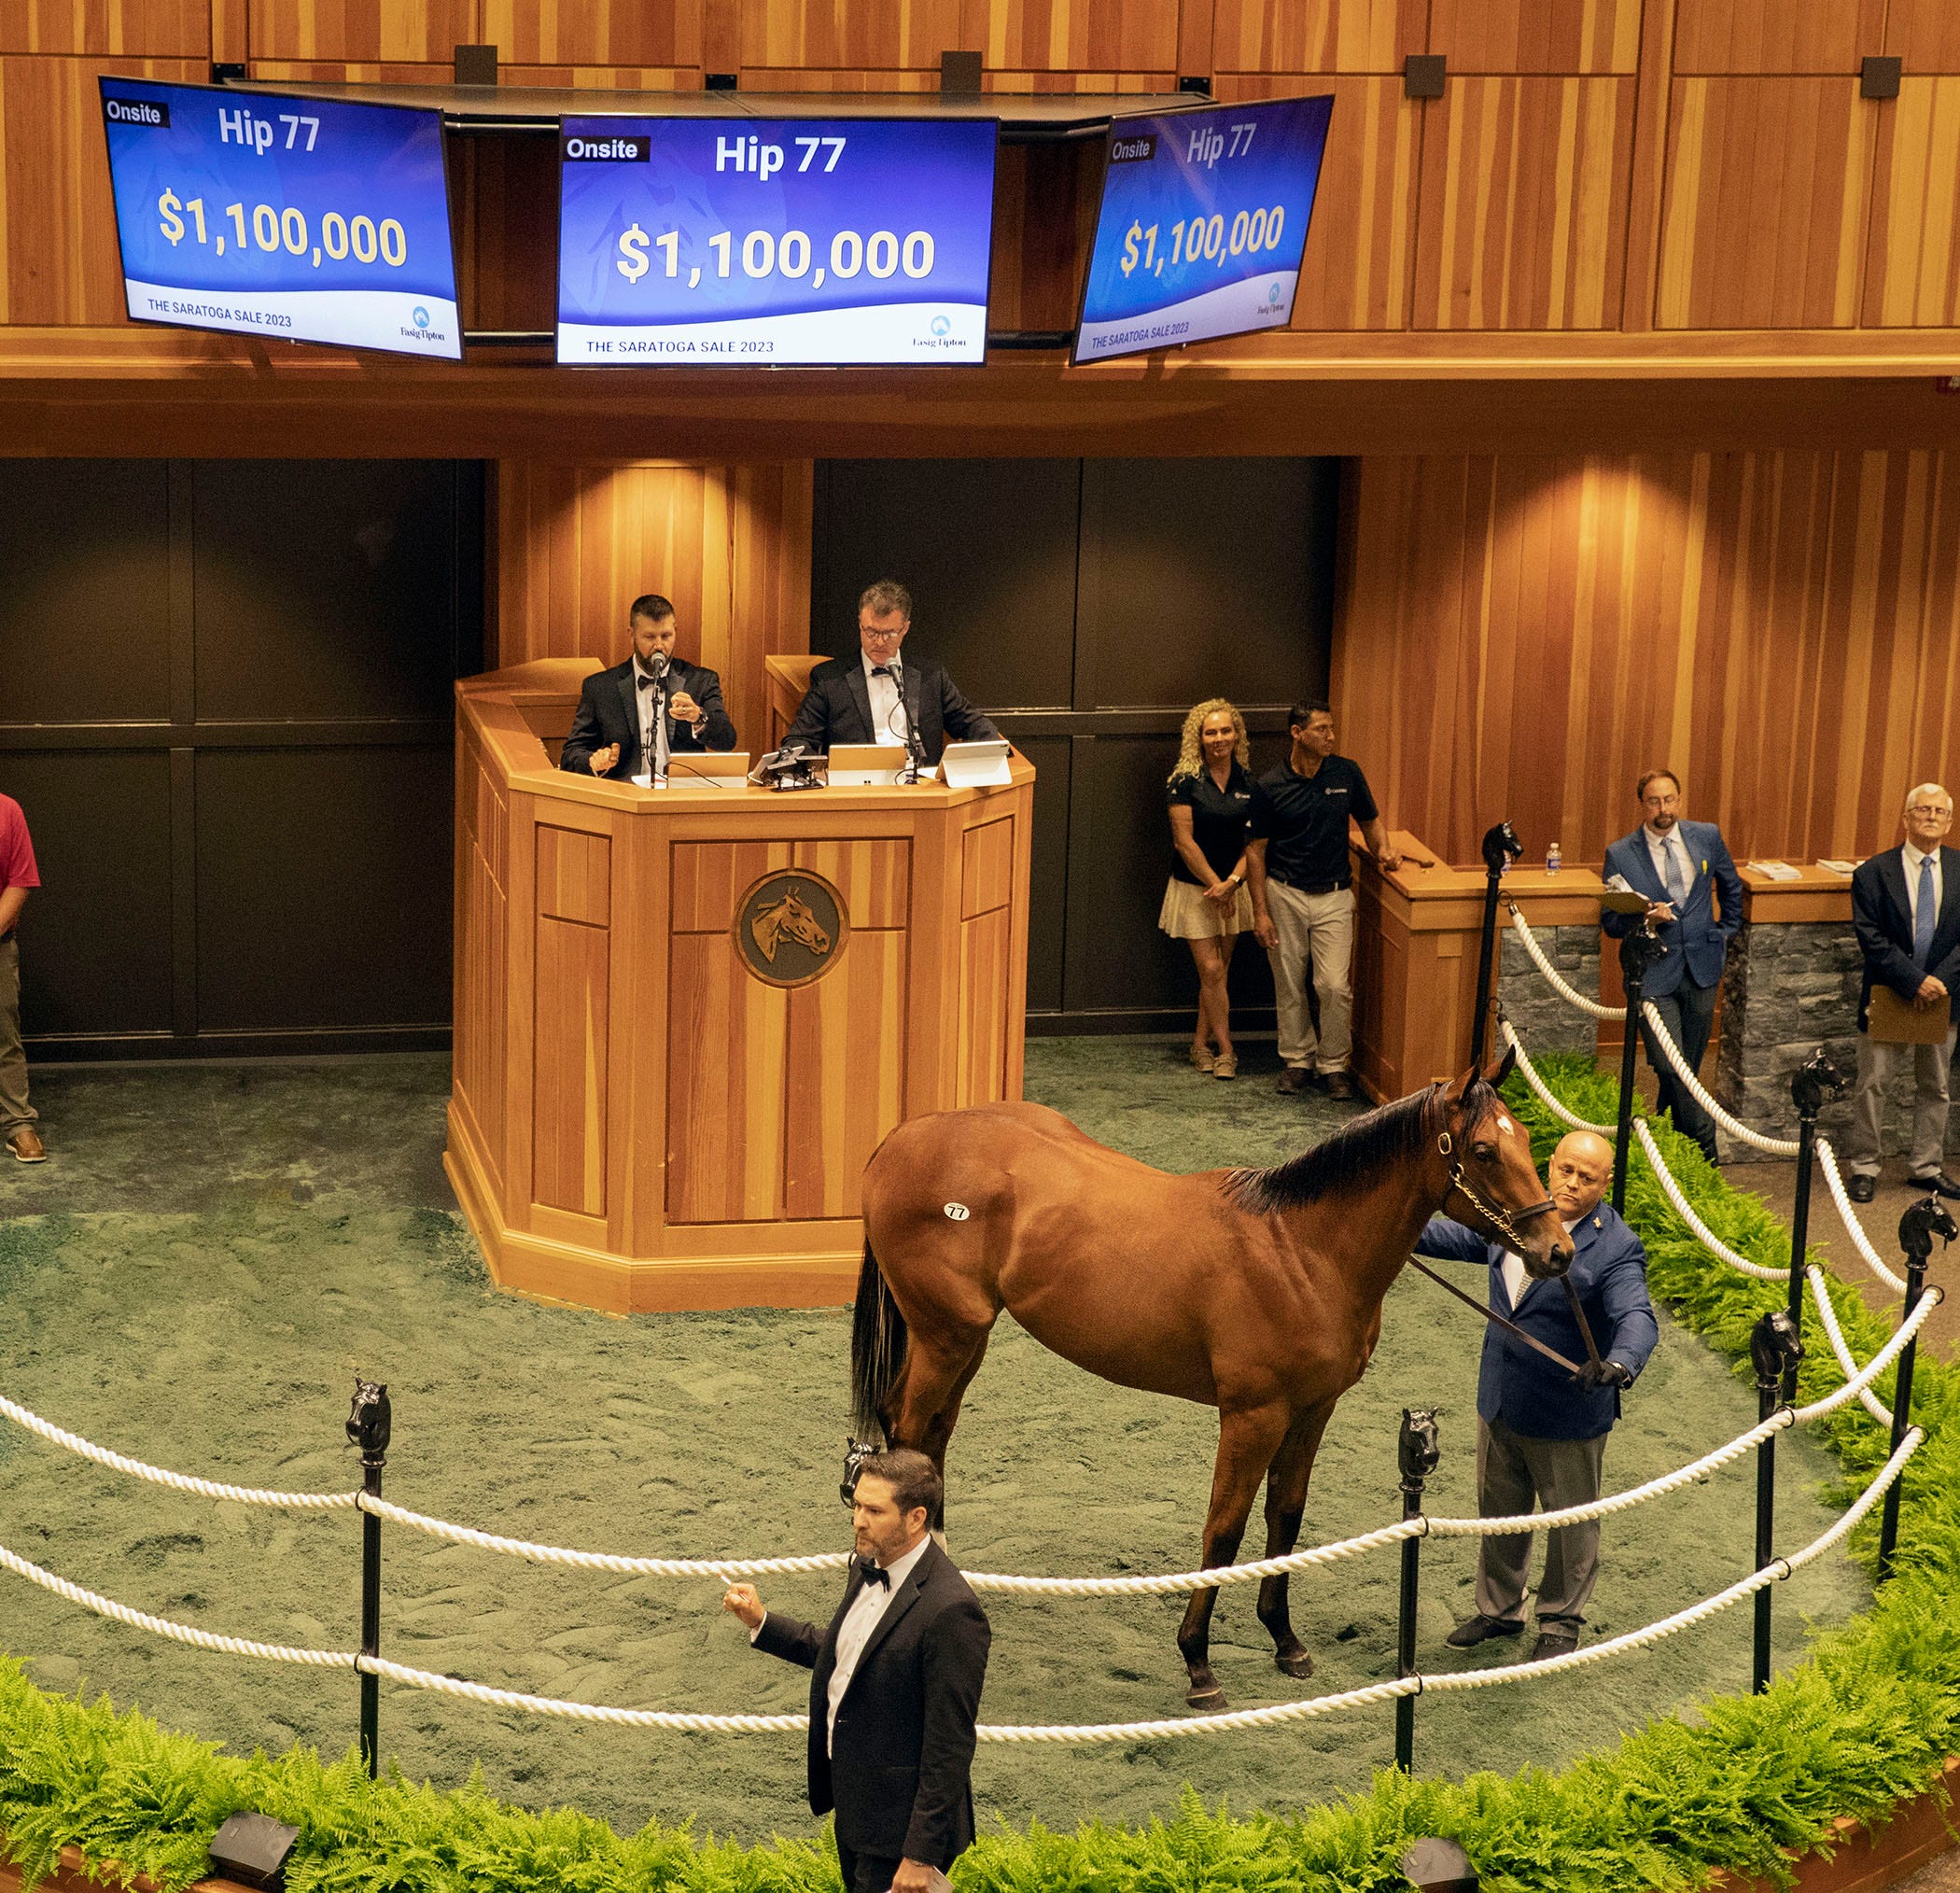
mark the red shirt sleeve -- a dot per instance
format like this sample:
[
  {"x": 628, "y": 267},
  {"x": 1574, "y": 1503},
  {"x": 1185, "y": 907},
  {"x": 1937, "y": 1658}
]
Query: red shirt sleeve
[{"x": 17, "y": 864}]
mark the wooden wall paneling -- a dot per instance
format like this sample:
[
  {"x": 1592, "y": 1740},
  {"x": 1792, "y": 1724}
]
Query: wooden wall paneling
[
  {"x": 1764, "y": 221},
  {"x": 604, "y": 79},
  {"x": 1913, "y": 260},
  {"x": 1536, "y": 36},
  {"x": 1317, "y": 36},
  {"x": 1777, "y": 35},
  {"x": 1033, "y": 35},
  {"x": 846, "y": 1072},
  {"x": 1359, "y": 267},
  {"x": 770, "y": 523},
  {"x": 1647, "y": 183},
  {"x": 797, "y": 78},
  {"x": 229, "y": 31},
  {"x": 1194, "y": 23},
  {"x": 1045, "y": 200},
  {"x": 364, "y": 30},
  {"x": 368, "y": 72},
  {"x": 123, "y": 28},
  {"x": 1926, "y": 33},
  {"x": 1523, "y": 207},
  {"x": 1072, "y": 35},
  {"x": 593, "y": 33},
  {"x": 57, "y": 216},
  {"x": 504, "y": 202}
]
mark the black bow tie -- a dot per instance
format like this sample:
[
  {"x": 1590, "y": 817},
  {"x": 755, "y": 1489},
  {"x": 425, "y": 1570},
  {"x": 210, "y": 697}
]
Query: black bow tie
[
  {"x": 647, "y": 683},
  {"x": 872, "y": 1572},
  {"x": 885, "y": 670}
]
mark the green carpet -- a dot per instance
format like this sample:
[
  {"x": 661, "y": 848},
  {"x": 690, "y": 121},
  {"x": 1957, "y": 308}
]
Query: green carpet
[{"x": 214, "y": 1253}]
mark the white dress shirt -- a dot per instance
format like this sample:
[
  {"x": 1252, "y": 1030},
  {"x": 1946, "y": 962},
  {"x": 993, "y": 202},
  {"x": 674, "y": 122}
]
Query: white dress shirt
[
  {"x": 866, "y": 1608},
  {"x": 652, "y": 729},
  {"x": 888, "y": 708},
  {"x": 1515, "y": 1280},
  {"x": 1660, "y": 847},
  {"x": 1912, "y": 859}
]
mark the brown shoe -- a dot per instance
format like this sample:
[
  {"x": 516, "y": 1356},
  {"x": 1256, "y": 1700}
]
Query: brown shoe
[
  {"x": 1293, "y": 1081},
  {"x": 26, "y": 1145},
  {"x": 1339, "y": 1086}
]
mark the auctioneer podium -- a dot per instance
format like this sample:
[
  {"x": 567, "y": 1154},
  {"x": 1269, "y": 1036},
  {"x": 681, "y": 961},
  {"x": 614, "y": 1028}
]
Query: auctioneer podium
[{"x": 686, "y": 1016}]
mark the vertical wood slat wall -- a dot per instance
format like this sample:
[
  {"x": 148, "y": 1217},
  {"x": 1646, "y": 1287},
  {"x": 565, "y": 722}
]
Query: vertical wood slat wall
[
  {"x": 1518, "y": 200},
  {"x": 1520, "y": 637}
]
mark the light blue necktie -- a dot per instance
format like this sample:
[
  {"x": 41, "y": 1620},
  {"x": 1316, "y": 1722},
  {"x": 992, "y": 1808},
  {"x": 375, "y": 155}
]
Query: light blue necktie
[
  {"x": 1676, "y": 875},
  {"x": 1925, "y": 914}
]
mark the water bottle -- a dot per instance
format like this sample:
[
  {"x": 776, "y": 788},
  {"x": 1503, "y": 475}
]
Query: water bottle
[{"x": 1553, "y": 859}]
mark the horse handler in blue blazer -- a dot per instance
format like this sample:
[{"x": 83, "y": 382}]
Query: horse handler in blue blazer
[
  {"x": 1541, "y": 1432},
  {"x": 1681, "y": 867}
]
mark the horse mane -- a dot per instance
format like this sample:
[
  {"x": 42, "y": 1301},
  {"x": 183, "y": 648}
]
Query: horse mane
[{"x": 1388, "y": 1134}]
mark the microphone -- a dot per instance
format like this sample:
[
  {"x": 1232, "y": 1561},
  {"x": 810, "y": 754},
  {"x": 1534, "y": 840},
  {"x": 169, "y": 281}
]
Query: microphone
[{"x": 915, "y": 758}]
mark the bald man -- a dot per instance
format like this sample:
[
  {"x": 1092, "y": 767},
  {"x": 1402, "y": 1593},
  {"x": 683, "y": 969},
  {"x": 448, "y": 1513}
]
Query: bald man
[
  {"x": 1905, "y": 906},
  {"x": 1541, "y": 1432}
]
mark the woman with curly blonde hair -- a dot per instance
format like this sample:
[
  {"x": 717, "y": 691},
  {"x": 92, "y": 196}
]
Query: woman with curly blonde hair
[{"x": 1209, "y": 798}]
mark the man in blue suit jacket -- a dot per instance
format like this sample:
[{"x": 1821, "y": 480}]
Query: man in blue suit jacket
[
  {"x": 1905, "y": 908},
  {"x": 1681, "y": 867},
  {"x": 1541, "y": 1433}
]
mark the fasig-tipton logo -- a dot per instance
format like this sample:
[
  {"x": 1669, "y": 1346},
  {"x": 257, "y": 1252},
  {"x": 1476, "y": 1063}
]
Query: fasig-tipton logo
[
  {"x": 613, "y": 150},
  {"x": 136, "y": 112},
  {"x": 1131, "y": 150}
]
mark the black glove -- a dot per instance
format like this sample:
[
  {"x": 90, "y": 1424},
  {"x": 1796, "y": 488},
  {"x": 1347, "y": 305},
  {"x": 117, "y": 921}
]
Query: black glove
[{"x": 1604, "y": 1374}]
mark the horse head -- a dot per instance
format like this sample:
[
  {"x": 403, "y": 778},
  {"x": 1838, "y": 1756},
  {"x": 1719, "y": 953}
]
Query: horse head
[
  {"x": 792, "y": 917},
  {"x": 1494, "y": 1186}
]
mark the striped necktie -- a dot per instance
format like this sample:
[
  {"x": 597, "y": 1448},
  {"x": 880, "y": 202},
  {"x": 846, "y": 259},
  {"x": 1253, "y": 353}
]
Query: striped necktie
[{"x": 1925, "y": 914}]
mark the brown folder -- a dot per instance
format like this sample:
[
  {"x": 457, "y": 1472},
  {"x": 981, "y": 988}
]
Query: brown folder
[{"x": 1895, "y": 1021}]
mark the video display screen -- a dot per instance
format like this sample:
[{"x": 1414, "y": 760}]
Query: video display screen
[
  {"x": 1202, "y": 225},
  {"x": 757, "y": 243},
  {"x": 293, "y": 218}
]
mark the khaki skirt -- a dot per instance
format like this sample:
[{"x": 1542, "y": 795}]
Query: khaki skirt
[{"x": 1186, "y": 915}]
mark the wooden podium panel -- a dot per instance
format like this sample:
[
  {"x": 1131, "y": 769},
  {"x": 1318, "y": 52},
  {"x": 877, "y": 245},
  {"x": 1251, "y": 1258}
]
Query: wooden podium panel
[{"x": 685, "y": 1017}]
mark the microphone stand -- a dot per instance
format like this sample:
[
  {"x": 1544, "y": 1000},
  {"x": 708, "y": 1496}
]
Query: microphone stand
[{"x": 914, "y": 754}]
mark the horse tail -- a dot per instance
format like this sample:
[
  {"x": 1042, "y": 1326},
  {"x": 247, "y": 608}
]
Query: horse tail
[{"x": 877, "y": 1348}]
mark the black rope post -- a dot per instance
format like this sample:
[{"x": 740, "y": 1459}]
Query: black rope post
[
  {"x": 1917, "y": 1227},
  {"x": 367, "y": 1426},
  {"x": 1500, "y": 845},
  {"x": 1418, "y": 1452},
  {"x": 1775, "y": 1347},
  {"x": 1637, "y": 952},
  {"x": 1810, "y": 1084}
]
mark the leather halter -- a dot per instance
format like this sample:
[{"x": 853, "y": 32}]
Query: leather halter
[{"x": 1503, "y": 1221}]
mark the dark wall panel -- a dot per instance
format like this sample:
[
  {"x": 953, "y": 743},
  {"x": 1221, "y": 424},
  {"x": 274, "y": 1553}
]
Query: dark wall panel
[
  {"x": 85, "y": 619},
  {"x": 987, "y": 549},
  {"x": 1205, "y": 578},
  {"x": 95, "y": 940},
  {"x": 328, "y": 595},
  {"x": 323, "y": 888},
  {"x": 1048, "y": 889}
]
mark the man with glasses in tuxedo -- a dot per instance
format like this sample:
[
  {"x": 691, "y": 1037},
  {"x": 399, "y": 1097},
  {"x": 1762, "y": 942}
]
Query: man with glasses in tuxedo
[{"x": 1905, "y": 905}]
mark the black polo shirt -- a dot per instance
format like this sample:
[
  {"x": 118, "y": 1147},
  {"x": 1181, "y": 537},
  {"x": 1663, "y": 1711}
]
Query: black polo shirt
[
  {"x": 1218, "y": 817},
  {"x": 1303, "y": 821}
]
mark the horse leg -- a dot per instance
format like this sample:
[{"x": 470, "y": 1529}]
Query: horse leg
[
  {"x": 1286, "y": 1504},
  {"x": 1247, "y": 1441},
  {"x": 925, "y": 1405}
]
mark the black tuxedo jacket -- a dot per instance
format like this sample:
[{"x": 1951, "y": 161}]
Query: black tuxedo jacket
[
  {"x": 838, "y": 707},
  {"x": 900, "y": 1779},
  {"x": 609, "y": 713},
  {"x": 1882, "y": 918}
]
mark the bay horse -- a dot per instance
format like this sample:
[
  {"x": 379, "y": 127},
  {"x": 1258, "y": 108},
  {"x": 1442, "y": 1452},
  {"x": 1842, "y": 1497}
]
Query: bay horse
[{"x": 1258, "y": 1292}]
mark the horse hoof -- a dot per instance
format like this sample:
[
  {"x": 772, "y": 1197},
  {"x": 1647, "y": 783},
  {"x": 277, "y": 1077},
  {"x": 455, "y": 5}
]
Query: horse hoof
[
  {"x": 1295, "y": 1663},
  {"x": 1207, "y": 1699}
]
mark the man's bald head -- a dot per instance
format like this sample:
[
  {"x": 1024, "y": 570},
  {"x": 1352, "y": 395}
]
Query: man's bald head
[
  {"x": 1929, "y": 815},
  {"x": 1578, "y": 1172}
]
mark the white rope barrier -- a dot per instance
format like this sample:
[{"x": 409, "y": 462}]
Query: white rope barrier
[
  {"x": 156, "y": 1474},
  {"x": 164, "y": 1626},
  {"x": 584, "y": 1712},
  {"x": 1835, "y": 1335},
  {"x": 1697, "y": 1227},
  {"x": 1827, "y": 1163},
  {"x": 1543, "y": 1092},
  {"x": 1570, "y": 994},
  {"x": 1774, "y": 1146}
]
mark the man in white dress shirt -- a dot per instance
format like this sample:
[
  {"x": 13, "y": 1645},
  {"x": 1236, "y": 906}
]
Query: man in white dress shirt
[
  {"x": 1905, "y": 905},
  {"x": 895, "y": 1689}
]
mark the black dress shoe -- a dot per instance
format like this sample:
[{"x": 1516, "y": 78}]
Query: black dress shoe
[
  {"x": 1861, "y": 1189},
  {"x": 1551, "y": 1644},
  {"x": 1479, "y": 1629},
  {"x": 1291, "y": 1082},
  {"x": 1339, "y": 1086},
  {"x": 1941, "y": 1185}
]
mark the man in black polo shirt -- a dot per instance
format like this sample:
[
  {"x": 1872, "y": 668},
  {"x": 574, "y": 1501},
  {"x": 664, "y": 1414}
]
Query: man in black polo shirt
[{"x": 1303, "y": 905}]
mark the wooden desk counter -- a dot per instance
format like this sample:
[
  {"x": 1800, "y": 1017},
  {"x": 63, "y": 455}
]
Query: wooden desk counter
[
  {"x": 1817, "y": 894},
  {"x": 664, "y": 1091}
]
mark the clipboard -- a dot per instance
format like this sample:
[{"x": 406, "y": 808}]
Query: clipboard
[
  {"x": 1895, "y": 1021},
  {"x": 1622, "y": 901}
]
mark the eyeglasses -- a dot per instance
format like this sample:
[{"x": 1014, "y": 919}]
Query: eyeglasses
[{"x": 1929, "y": 812}]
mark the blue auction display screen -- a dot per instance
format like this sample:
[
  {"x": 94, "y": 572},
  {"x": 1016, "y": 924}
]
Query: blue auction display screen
[
  {"x": 303, "y": 219},
  {"x": 1203, "y": 223},
  {"x": 751, "y": 243}
]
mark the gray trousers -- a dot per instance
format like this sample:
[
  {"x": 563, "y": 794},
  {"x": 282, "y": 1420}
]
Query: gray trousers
[
  {"x": 15, "y": 1110},
  {"x": 1876, "y": 1064},
  {"x": 1513, "y": 1476}
]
